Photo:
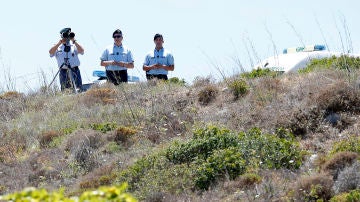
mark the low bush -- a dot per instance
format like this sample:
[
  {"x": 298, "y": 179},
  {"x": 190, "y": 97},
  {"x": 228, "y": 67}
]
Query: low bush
[
  {"x": 338, "y": 162},
  {"x": 249, "y": 180},
  {"x": 256, "y": 73},
  {"x": 212, "y": 155},
  {"x": 103, "y": 127},
  {"x": 123, "y": 134},
  {"x": 352, "y": 144},
  {"x": 47, "y": 138},
  {"x": 11, "y": 95},
  {"x": 342, "y": 62},
  {"x": 238, "y": 87},
  {"x": 207, "y": 94},
  {"x": 176, "y": 80},
  {"x": 99, "y": 95},
  {"x": 222, "y": 163},
  {"x": 352, "y": 196},
  {"x": 314, "y": 188},
  {"x": 202, "y": 145},
  {"x": 113, "y": 193}
]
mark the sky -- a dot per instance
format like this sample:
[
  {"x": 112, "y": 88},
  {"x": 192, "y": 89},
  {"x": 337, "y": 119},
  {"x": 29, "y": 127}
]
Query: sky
[{"x": 206, "y": 37}]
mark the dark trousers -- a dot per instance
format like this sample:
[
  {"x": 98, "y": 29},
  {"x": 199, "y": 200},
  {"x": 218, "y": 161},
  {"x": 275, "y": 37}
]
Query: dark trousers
[
  {"x": 116, "y": 77},
  {"x": 65, "y": 81},
  {"x": 158, "y": 76}
]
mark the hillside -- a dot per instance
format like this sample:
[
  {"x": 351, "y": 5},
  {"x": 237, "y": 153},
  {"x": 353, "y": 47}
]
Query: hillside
[{"x": 267, "y": 138}]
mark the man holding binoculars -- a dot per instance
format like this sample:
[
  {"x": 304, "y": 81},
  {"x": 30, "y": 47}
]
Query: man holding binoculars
[{"x": 66, "y": 54}]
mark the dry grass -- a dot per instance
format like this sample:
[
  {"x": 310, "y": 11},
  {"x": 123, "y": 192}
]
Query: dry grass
[
  {"x": 99, "y": 95},
  {"x": 101, "y": 176},
  {"x": 312, "y": 188},
  {"x": 348, "y": 179},
  {"x": 338, "y": 162},
  {"x": 207, "y": 94},
  {"x": 47, "y": 137}
]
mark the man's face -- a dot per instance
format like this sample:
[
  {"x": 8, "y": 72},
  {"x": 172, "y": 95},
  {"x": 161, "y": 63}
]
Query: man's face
[
  {"x": 159, "y": 42},
  {"x": 117, "y": 38}
]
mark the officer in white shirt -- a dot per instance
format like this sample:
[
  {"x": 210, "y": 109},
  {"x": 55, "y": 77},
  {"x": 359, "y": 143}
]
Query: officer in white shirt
[
  {"x": 159, "y": 61},
  {"x": 66, "y": 52},
  {"x": 117, "y": 58}
]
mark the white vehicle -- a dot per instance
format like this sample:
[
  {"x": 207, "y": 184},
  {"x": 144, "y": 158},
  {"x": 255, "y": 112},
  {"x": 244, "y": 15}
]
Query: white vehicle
[
  {"x": 297, "y": 58},
  {"x": 102, "y": 78}
]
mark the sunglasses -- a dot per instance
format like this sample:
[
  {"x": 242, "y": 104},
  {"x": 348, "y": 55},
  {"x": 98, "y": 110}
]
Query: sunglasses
[{"x": 117, "y": 36}]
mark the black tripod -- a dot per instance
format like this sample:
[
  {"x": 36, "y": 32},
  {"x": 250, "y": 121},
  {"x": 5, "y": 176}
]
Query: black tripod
[
  {"x": 69, "y": 73},
  {"x": 70, "y": 80}
]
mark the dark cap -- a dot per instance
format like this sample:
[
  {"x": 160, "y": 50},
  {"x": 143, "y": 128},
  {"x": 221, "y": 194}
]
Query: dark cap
[
  {"x": 68, "y": 29},
  {"x": 157, "y": 36},
  {"x": 118, "y": 31}
]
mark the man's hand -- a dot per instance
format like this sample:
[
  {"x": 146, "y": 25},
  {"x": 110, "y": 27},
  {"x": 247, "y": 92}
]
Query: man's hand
[
  {"x": 120, "y": 64},
  {"x": 63, "y": 40},
  {"x": 157, "y": 66}
]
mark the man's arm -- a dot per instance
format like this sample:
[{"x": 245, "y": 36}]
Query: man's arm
[
  {"x": 55, "y": 47},
  {"x": 167, "y": 67},
  {"x": 128, "y": 65},
  {"x": 78, "y": 47},
  {"x": 107, "y": 63}
]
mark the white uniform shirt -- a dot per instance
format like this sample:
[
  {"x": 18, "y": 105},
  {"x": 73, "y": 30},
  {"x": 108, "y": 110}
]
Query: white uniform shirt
[
  {"x": 60, "y": 55},
  {"x": 118, "y": 54}
]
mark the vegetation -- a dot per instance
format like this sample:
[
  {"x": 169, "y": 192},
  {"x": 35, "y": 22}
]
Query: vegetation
[
  {"x": 114, "y": 193},
  {"x": 353, "y": 195},
  {"x": 260, "y": 72},
  {"x": 238, "y": 88},
  {"x": 343, "y": 62},
  {"x": 288, "y": 138},
  {"x": 212, "y": 155}
]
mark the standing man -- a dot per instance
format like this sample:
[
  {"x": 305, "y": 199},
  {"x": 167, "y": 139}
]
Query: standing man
[
  {"x": 66, "y": 54},
  {"x": 117, "y": 59},
  {"x": 158, "y": 62}
]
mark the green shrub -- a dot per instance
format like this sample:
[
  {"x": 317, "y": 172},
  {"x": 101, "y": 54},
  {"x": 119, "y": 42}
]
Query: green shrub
[
  {"x": 103, "y": 127},
  {"x": 199, "y": 148},
  {"x": 238, "y": 88},
  {"x": 351, "y": 144},
  {"x": 270, "y": 150},
  {"x": 212, "y": 154},
  {"x": 223, "y": 162},
  {"x": 254, "y": 147},
  {"x": 135, "y": 172},
  {"x": 176, "y": 80},
  {"x": 352, "y": 196},
  {"x": 114, "y": 193},
  {"x": 342, "y": 62},
  {"x": 256, "y": 73},
  {"x": 70, "y": 129}
]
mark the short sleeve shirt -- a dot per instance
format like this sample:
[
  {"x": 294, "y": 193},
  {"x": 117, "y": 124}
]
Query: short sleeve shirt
[
  {"x": 118, "y": 54},
  {"x": 161, "y": 56},
  {"x": 60, "y": 55}
]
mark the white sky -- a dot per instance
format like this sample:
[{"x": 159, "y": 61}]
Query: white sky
[{"x": 205, "y": 36}]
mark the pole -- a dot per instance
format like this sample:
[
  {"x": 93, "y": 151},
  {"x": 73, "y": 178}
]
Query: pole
[{"x": 54, "y": 78}]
